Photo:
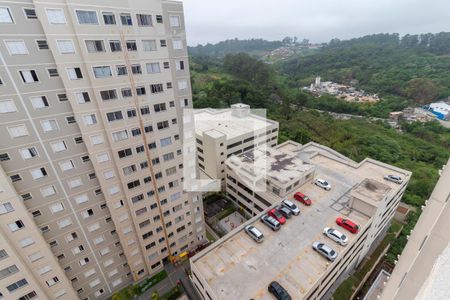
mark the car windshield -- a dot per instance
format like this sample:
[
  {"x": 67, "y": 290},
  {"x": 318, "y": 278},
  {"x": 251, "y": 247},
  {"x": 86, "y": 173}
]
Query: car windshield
[
  {"x": 305, "y": 197},
  {"x": 289, "y": 204},
  {"x": 332, "y": 252},
  {"x": 325, "y": 183},
  {"x": 277, "y": 214}
]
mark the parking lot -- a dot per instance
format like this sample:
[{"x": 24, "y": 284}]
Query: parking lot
[{"x": 242, "y": 269}]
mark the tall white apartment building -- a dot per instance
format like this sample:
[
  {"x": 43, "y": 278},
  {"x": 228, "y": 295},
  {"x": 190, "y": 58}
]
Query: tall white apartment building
[
  {"x": 224, "y": 132},
  {"x": 236, "y": 267},
  {"x": 91, "y": 101}
]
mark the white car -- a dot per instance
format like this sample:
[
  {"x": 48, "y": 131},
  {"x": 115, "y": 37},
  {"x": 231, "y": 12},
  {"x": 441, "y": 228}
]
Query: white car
[
  {"x": 325, "y": 250},
  {"x": 335, "y": 235},
  {"x": 394, "y": 178},
  {"x": 323, "y": 184},
  {"x": 291, "y": 206}
]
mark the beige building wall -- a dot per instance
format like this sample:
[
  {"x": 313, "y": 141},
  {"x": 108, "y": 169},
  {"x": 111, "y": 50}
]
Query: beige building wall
[{"x": 98, "y": 166}]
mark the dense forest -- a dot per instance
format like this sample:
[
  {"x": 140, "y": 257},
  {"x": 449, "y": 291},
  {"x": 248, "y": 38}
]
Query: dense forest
[
  {"x": 382, "y": 64},
  {"x": 414, "y": 67}
]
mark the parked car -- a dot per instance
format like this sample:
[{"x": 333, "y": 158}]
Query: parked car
[
  {"x": 303, "y": 198},
  {"x": 393, "y": 178},
  {"x": 274, "y": 213},
  {"x": 323, "y": 184},
  {"x": 325, "y": 250},
  {"x": 291, "y": 206},
  {"x": 271, "y": 222},
  {"x": 278, "y": 291},
  {"x": 254, "y": 233},
  {"x": 335, "y": 235},
  {"x": 347, "y": 224},
  {"x": 286, "y": 212}
]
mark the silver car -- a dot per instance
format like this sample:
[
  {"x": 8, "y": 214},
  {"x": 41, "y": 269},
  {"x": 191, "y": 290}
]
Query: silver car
[
  {"x": 393, "y": 178},
  {"x": 291, "y": 206},
  {"x": 254, "y": 233},
  {"x": 325, "y": 250},
  {"x": 271, "y": 222},
  {"x": 323, "y": 184},
  {"x": 335, "y": 235}
]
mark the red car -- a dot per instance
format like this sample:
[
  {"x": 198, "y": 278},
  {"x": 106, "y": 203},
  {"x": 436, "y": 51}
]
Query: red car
[
  {"x": 277, "y": 215},
  {"x": 303, "y": 198},
  {"x": 347, "y": 224}
]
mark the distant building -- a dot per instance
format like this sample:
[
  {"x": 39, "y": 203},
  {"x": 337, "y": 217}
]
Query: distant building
[
  {"x": 222, "y": 133},
  {"x": 440, "y": 109}
]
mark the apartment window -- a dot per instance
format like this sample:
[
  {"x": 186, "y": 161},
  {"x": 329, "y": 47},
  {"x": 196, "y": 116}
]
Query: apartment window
[
  {"x": 168, "y": 156},
  {"x": 144, "y": 165},
  {"x": 163, "y": 43},
  {"x": 4, "y": 157},
  {"x": 49, "y": 125},
  {"x": 180, "y": 65},
  {"x": 48, "y": 191},
  {"x": 174, "y": 21},
  {"x": 17, "y": 285},
  {"x": 133, "y": 184},
  {"x": 52, "y": 281},
  {"x": 145, "y": 110},
  {"x": 55, "y": 16},
  {"x": 126, "y": 92},
  {"x": 166, "y": 141},
  {"x": 131, "y": 113},
  {"x": 115, "y": 46},
  {"x": 90, "y": 119},
  {"x": 109, "y": 18},
  {"x": 121, "y": 70},
  {"x": 129, "y": 169},
  {"x": 159, "y": 107},
  {"x": 108, "y": 95},
  {"x": 53, "y": 72},
  {"x": 163, "y": 125},
  {"x": 149, "y": 45},
  {"x": 36, "y": 213},
  {"x": 156, "y": 88},
  {"x": 125, "y": 153},
  {"x": 114, "y": 116},
  {"x": 56, "y": 208},
  {"x": 136, "y": 131},
  {"x": 144, "y": 20},
  {"x": 78, "y": 140},
  {"x": 87, "y": 17},
  {"x": 152, "y": 145},
  {"x": 136, "y": 69},
  {"x": 166, "y": 65},
  {"x": 131, "y": 45},
  {"x": 74, "y": 73},
  {"x": 182, "y": 84},
  {"x": 6, "y": 207},
  {"x": 5, "y": 15},
  {"x": 15, "y": 226},
  {"x": 66, "y": 165},
  {"x": 148, "y": 128},
  {"x": 16, "y": 47},
  {"x": 102, "y": 72},
  {"x": 76, "y": 182},
  {"x": 42, "y": 44},
  {"x": 140, "y": 90},
  {"x": 94, "y": 46},
  {"x": 18, "y": 131},
  {"x": 39, "y": 102},
  {"x": 30, "y": 295},
  {"x": 153, "y": 68},
  {"x": 26, "y": 242},
  {"x": 29, "y": 76},
  {"x": 140, "y": 149},
  {"x": 58, "y": 146},
  {"x": 82, "y": 97},
  {"x": 159, "y": 19},
  {"x": 171, "y": 171},
  {"x": 38, "y": 173},
  {"x": 15, "y": 178},
  {"x": 65, "y": 46},
  {"x": 126, "y": 20},
  {"x": 177, "y": 44},
  {"x": 62, "y": 97},
  {"x": 120, "y": 135},
  {"x": 7, "y": 106}
]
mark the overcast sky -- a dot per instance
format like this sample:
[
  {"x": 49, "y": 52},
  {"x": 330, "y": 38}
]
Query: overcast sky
[{"x": 318, "y": 20}]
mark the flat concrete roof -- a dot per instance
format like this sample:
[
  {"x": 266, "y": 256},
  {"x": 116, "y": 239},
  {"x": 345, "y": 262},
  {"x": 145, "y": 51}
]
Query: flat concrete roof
[
  {"x": 280, "y": 166},
  {"x": 422, "y": 270},
  {"x": 236, "y": 267},
  {"x": 224, "y": 121}
]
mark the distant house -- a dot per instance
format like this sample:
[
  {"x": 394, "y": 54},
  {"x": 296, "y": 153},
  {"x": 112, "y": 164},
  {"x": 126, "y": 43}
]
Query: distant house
[{"x": 440, "y": 109}]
